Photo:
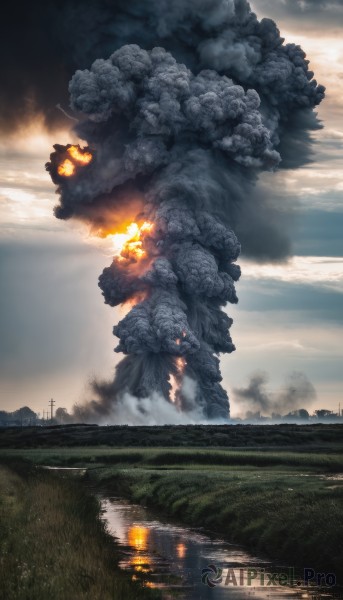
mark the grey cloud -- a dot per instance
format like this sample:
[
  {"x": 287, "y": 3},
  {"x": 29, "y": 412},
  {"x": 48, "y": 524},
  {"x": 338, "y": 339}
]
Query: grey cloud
[
  {"x": 40, "y": 309},
  {"x": 319, "y": 232},
  {"x": 300, "y": 304},
  {"x": 311, "y": 14}
]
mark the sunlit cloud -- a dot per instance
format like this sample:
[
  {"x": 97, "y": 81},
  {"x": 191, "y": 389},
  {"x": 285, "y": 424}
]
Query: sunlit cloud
[
  {"x": 313, "y": 270},
  {"x": 32, "y": 138},
  {"x": 26, "y": 193}
]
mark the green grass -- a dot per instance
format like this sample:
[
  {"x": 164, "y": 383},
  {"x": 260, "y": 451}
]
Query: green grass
[
  {"x": 278, "y": 503},
  {"x": 282, "y": 514},
  {"x": 162, "y": 457},
  {"x": 53, "y": 543}
]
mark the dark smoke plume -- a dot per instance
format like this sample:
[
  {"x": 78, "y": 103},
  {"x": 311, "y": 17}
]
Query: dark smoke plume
[
  {"x": 43, "y": 43},
  {"x": 182, "y": 132},
  {"x": 297, "y": 393}
]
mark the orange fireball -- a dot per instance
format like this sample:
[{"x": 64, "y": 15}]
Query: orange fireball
[
  {"x": 68, "y": 167},
  {"x": 79, "y": 155},
  {"x": 129, "y": 244}
]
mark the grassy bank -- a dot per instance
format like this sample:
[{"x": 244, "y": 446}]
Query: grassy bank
[
  {"x": 290, "y": 509},
  {"x": 272, "y": 513},
  {"x": 53, "y": 543},
  {"x": 283, "y": 504}
]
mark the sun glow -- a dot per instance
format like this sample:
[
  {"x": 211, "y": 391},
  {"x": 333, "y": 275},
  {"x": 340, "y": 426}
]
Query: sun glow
[{"x": 129, "y": 244}]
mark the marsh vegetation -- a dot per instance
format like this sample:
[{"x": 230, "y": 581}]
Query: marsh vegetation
[
  {"x": 53, "y": 543},
  {"x": 284, "y": 501}
]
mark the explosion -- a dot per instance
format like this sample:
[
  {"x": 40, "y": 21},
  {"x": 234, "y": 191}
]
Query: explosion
[
  {"x": 129, "y": 245},
  {"x": 66, "y": 169},
  {"x": 186, "y": 130},
  {"x": 76, "y": 157},
  {"x": 81, "y": 156}
]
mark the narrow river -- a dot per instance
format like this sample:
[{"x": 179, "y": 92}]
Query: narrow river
[{"x": 171, "y": 557}]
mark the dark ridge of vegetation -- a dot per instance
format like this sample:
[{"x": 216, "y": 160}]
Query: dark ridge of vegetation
[
  {"x": 53, "y": 544},
  {"x": 301, "y": 437}
]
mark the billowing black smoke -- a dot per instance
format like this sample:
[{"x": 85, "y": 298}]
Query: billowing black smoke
[{"x": 182, "y": 132}]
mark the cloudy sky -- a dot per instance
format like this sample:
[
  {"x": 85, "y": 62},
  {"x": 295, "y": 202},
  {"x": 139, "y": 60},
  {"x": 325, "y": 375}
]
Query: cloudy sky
[{"x": 55, "y": 330}]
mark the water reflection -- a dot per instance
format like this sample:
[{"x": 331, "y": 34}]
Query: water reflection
[
  {"x": 171, "y": 558},
  {"x": 140, "y": 564},
  {"x": 181, "y": 550},
  {"x": 138, "y": 537}
]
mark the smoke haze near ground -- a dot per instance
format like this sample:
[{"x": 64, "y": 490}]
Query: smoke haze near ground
[{"x": 297, "y": 393}]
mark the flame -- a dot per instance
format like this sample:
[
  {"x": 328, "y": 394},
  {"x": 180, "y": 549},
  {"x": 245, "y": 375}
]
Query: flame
[
  {"x": 66, "y": 169},
  {"x": 175, "y": 380},
  {"x": 129, "y": 244},
  {"x": 138, "y": 537},
  {"x": 79, "y": 155},
  {"x": 180, "y": 363},
  {"x": 133, "y": 301}
]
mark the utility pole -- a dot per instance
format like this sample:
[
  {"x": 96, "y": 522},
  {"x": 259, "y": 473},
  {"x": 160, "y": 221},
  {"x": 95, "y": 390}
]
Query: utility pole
[{"x": 52, "y": 402}]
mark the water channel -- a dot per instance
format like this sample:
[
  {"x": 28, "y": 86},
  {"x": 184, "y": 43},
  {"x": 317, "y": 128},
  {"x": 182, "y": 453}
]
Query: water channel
[{"x": 171, "y": 557}]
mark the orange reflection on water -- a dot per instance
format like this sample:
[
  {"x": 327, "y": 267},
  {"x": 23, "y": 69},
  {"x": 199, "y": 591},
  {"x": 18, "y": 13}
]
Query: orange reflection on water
[
  {"x": 181, "y": 550},
  {"x": 138, "y": 537},
  {"x": 140, "y": 564}
]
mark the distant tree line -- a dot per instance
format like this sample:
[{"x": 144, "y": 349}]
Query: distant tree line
[{"x": 24, "y": 417}]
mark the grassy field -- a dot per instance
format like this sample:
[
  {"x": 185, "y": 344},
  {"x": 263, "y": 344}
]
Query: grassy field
[
  {"x": 53, "y": 543},
  {"x": 284, "y": 504},
  {"x": 171, "y": 457}
]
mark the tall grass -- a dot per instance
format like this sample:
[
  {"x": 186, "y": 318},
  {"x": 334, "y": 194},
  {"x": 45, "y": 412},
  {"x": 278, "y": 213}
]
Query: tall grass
[{"x": 53, "y": 544}]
